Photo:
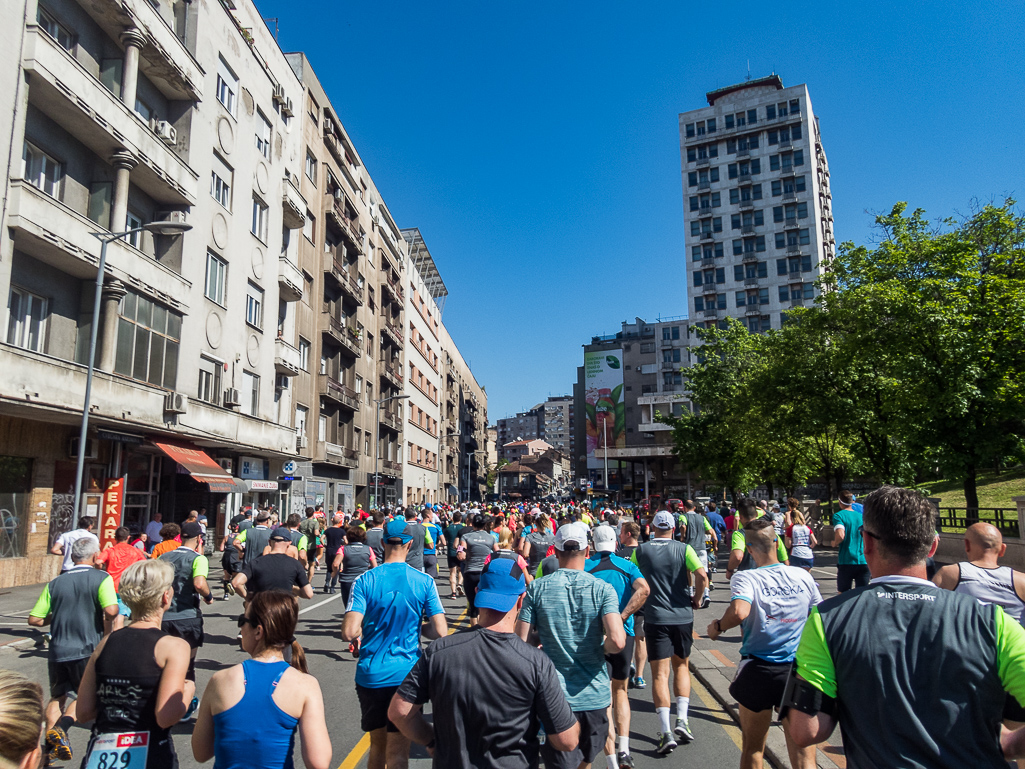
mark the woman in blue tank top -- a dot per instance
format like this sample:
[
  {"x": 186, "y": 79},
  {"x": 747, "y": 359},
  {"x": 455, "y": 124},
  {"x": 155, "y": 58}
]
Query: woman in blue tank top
[{"x": 249, "y": 713}]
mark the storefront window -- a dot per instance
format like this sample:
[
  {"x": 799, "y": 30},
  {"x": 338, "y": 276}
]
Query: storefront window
[{"x": 15, "y": 484}]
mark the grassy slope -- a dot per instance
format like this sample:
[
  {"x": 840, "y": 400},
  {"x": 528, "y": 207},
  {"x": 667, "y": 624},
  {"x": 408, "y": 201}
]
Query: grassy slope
[{"x": 995, "y": 489}]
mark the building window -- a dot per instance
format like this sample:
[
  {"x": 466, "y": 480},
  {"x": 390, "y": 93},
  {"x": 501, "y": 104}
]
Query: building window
[
  {"x": 42, "y": 171},
  {"x": 263, "y": 130},
  {"x": 54, "y": 29},
  {"x": 301, "y": 413},
  {"x": 26, "y": 325},
  {"x": 221, "y": 178},
  {"x": 216, "y": 279},
  {"x": 133, "y": 221},
  {"x": 147, "y": 341},
  {"x": 227, "y": 86},
  {"x": 304, "y": 354},
  {"x": 250, "y": 393},
  {"x": 310, "y": 227},
  {"x": 311, "y": 166},
  {"x": 322, "y": 428},
  {"x": 209, "y": 389},
  {"x": 261, "y": 213},
  {"x": 254, "y": 306}
]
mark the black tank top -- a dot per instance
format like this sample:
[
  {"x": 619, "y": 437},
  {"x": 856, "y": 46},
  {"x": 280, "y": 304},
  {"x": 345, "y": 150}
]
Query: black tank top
[{"x": 127, "y": 679}]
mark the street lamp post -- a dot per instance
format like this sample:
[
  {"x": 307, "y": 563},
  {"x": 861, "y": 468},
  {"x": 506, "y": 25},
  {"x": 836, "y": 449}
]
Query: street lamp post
[
  {"x": 446, "y": 437},
  {"x": 157, "y": 228},
  {"x": 377, "y": 448}
]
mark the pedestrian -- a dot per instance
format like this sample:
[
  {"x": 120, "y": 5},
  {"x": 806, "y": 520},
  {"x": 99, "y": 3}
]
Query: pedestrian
[
  {"x": 153, "y": 531},
  {"x": 667, "y": 565},
  {"x": 486, "y": 715},
  {"x": 915, "y": 675},
  {"x": 771, "y": 604},
  {"x": 334, "y": 538},
  {"x": 477, "y": 545},
  {"x": 632, "y": 590},
  {"x": 385, "y": 610},
  {"x": 801, "y": 539},
  {"x": 135, "y": 682},
  {"x": 251, "y": 712},
  {"x": 183, "y": 617},
  {"x": 851, "y": 567},
  {"x": 63, "y": 544},
  {"x": 21, "y": 721},
  {"x": 80, "y": 606},
  {"x": 115, "y": 560},
  {"x": 455, "y": 570},
  {"x": 170, "y": 538},
  {"x": 576, "y": 619},
  {"x": 277, "y": 570}
]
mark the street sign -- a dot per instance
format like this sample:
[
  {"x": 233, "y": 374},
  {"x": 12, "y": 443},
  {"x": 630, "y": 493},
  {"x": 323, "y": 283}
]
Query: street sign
[{"x": 289, "y": 468}]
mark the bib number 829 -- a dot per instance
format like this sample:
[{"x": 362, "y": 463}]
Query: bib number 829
[{"x": 112, "y": 759}]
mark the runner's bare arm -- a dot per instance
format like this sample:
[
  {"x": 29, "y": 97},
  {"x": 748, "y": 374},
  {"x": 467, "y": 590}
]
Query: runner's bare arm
[
  {"x": 700, "y": 583},
  {"x": 87, "y": 687},
  {"x": 316, "y": 744},
  {"x": 409, "y": 719},
  {"x": 736, "y": 613},
  {"x": 736, "y": 556},
  {"x": 174, "y": 692},
  {"x": 946, "y": 577},
  {"x": 435, "y": 627},
  {"x": 641, "y": 592},
  {"x": 615, "y": 633},
  {"x": 352, "y": 626},
  {"x": 526, "y": 631},
  {"x": 566, "y": 740}
]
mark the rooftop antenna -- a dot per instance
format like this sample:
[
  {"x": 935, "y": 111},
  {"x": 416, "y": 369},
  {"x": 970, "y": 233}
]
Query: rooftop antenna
[
  {"x": 276, "y": 28},
  {"x": 748, "y": 70}
]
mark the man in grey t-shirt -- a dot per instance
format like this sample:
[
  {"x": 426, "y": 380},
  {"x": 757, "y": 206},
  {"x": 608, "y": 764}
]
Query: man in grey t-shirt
[{"x": 669, "y": 621}]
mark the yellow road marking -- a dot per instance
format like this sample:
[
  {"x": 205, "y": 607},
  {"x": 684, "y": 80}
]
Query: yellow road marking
[
  {"x": 451, "y": 630},
  {"x": 727, "y": 722},
  {"x": 357, "y": 753}
]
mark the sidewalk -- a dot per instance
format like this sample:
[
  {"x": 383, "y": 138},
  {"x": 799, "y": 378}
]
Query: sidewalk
[{"x": 714, "y": 663}]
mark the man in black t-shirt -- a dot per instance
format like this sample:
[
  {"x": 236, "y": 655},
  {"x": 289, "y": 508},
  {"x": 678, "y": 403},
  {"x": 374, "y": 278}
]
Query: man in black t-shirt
[
  {"x": 334, "y": 538},
  {"x": 492, "y": 712},
  {"x": 275, "y": 571}
]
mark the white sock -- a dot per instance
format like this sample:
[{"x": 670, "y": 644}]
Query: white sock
[
  {"x": 622, "y": 745},
  {"x": 612, "y": 761},
  {"x": 682, "y": 703},
  {"x": 663, "y": 719}
]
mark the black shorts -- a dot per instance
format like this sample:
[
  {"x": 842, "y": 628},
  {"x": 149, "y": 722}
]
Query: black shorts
[
  {"x": 594, "y": 730},
  {"x": 470, "y": 581},
  {"x": 431, "y": 564},
  {"x": 65, "y": 677},
  {"x": 346, "y": 592},
  {"x": 619, "y": 663},
  {"x": 846, "y": 573},
  {"x": 373, "y": 707},
  {"x": 189, "y": 629},
  {"x": 454, "y": 562},
  {"x": 1012, "y": 710},
  {"x": 665, "y": 641},
  {"x": 759, "y": 685}
]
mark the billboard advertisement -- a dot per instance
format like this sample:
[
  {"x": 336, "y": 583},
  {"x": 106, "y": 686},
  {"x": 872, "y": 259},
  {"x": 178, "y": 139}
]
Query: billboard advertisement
[{"x": 605, "y": 411}]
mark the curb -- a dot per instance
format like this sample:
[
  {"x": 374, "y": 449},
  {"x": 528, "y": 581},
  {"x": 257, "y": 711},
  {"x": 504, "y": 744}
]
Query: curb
[
  {"x": 21, "y": 643},
  {"x": 708, "y": 670}
]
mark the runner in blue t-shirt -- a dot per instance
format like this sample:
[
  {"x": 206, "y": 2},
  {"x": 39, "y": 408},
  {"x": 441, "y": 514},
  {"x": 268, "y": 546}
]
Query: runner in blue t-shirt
[
  {"x": 632, "y": 589},
  {"x": 385, "y": 608}
]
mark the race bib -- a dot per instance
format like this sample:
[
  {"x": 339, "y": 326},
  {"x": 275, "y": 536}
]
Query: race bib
[{"x": 119, "y": 751}]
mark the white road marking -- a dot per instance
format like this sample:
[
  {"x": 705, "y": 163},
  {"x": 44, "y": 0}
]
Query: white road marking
[{"x": 326, "y": 600}]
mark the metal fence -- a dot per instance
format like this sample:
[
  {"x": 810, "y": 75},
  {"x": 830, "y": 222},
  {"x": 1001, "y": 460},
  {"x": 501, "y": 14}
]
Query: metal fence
[{"x": 957, "y": 519}]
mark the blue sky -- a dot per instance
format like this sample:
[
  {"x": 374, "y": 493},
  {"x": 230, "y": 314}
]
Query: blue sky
[{"x": 536, "y": 145}]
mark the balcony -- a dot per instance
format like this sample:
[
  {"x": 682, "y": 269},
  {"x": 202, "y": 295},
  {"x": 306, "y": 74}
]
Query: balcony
[
  {"x": 708, "y": 261},
  {"x": 347, "y": 336},
  {"x": 390, "y": 373},
  {"x": 290, "y": 280},
  {"x": 392, "y": 287},
  {"x": 61, "y": 88},
  {"x": 391, "y": 468},
  {"x": 707, "y": 235},
  {"x": 744, "y": 177},
  {"x": 743, "y": 152},
  {"x": 709, "y": 288},
  {"x": 704, "y": 185},
  {"x": 668, "y": 365},
  {"x": 340, "y": 272},
  {"x": 791, "y": 223},
  {"x": 50, "y": 231},
  {"x": 747, "y": 229},
  {"x": 752, "y": 310},
  {"x": 786, "y": 169},
  {"x": 391, "y": 420},
  {"x": 746, "y": 205},
  {"x": 710, "y": 312},
  {"x": 785, "y": 144},
  {"x": 793, "y": 248},
  {"x": 286, "y": 358},
  {"x": 790, "y": 197},
  {"x": 348, "y": 224},
  {"x": 341, "y": 455},
  {"x": 334, "y": 390},
  {"x": 293, "y": 206},
  {"x": 394, "y": 331},
  {"x": 704, "y": 162},
  {"x": 749, "y": 256},
  {"x": 750, "y": 281}
]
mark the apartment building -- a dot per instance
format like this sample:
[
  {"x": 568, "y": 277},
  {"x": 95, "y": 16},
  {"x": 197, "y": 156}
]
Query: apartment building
[
  {"x": 757, "y": 203},
  {"x": 122, "y": 114},
  {"x": 557, "y": 423},
  {"x": 634, "y": 374},
  {"x": 351, "y": 318},
  {"x": 524, "y": 426},
  {"x": 464, "y": 437}
]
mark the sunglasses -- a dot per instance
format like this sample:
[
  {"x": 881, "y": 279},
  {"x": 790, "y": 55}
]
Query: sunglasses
[
  {"x": 866, "y": 533},
  {"x": 244, "y": 620}
]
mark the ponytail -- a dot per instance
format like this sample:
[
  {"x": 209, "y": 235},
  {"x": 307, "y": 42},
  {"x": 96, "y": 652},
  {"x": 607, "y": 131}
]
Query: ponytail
[{"x": 298, "y": 660}]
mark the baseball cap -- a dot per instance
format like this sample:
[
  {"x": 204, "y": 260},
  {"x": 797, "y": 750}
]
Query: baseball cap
[
  {"x": 604, "y": 538},
  {"x": 571, "y": 532},
  {"x": 663, "y": 520},
  {"x": 501, "y": 582},
  {"x": 191, "y": 530},
  {"x": 395, "y": 532},
  {"x": 281, "y": 533}
]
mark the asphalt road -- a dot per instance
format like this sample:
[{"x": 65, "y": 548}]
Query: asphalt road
[{"x": 717, "y": 739}]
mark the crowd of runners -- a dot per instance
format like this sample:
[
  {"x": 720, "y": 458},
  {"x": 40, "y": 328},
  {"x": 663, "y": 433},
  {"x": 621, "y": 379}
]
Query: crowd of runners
[{"x": 570, "y": 608}]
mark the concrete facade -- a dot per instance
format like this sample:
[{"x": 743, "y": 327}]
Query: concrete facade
[
  {"x": 557, "y": 423},
  {"x": 757, "y": 203}
]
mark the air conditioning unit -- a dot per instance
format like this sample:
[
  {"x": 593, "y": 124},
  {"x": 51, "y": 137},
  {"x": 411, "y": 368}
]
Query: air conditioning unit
[
  {"x": 178, "y": 217},
  {"x": 226, "y": 463},
  {"x": 286, "y": 108},
  {"x": 175, "y": 403},
  {"x": 166, "y": 133},
  {"x": 281, "y": 382},
  {"x": 301, "y": 442},
  {"x": 329, "y": 128},
  {"x": 91, "y": 448},
  {"x": 232, "y": 398},
  {"x": 337, "y": 193},
  {"x": 377, "y": 219},
  {"x": 279, "y": 93}
]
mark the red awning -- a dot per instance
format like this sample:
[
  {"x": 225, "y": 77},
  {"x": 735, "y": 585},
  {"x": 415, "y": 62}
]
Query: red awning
[{"x": 202, "y": 467}]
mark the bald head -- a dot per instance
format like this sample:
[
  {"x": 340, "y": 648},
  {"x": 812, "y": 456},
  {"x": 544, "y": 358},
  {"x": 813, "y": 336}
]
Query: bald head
[{"x": 984, "y": 536}]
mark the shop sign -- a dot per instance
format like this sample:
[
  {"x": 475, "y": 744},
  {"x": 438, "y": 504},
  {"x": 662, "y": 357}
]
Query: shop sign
[
  {"x": 113, "y": 505},
  {"x": 263, "y": 485},
  {"x": 251, "y": 469}
]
